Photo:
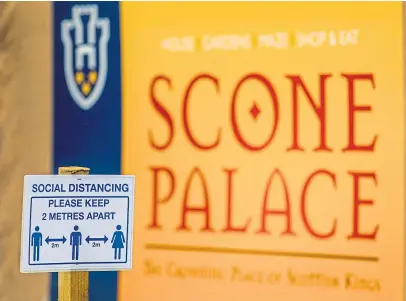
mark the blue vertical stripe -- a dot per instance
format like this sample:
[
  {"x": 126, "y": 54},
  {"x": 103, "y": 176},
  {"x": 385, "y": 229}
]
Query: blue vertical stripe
[{"x": 88, "y": 137}]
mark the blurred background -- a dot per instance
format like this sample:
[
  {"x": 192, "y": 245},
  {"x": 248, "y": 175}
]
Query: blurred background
[
  {"x": 200, "y": 102},
  {"x": 26, "y": 114}
]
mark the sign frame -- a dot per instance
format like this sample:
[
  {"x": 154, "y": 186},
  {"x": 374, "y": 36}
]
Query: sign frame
[{"x": 26, "y": 266}]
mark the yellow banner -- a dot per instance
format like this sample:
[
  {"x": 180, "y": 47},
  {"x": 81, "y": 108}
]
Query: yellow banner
[{"x": 267, "y": 140}]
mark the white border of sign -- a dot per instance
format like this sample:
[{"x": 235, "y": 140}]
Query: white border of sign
[{"x": 27, "y": 196}]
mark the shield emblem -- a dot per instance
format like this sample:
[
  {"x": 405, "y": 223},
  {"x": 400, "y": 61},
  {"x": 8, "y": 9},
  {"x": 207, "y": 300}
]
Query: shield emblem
[{"x": 85, "y": 39}]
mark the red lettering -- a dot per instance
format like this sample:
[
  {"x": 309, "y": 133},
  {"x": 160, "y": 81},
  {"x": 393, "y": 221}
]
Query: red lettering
[
  {"x": 274, "y": 101},
  {"x": 320, "y": 111},
  {"x": 186, "y": 208},
  {"x": 229, "y": 227},
  {"x": 156, "y": 200},
  {"x": 162, "y": 111},
  {"x": 356, "y": 234},
  {"x": 285, "y": 212},
  {"x": 185, "y": 119},
  {"x": 353, "y": 108},
  {"x": 305, "y": 218}
]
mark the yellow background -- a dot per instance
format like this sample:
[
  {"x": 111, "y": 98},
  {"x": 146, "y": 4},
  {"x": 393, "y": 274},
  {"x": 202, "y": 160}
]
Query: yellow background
[{"x": 379, "y": 50}]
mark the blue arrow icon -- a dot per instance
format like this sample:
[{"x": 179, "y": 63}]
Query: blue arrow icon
[
  {"x": 89, "y": 239},
  {"x": 48, "y": 240}
]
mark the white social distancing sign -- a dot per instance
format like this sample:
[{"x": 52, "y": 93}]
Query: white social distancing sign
[{"x": 77, "y": 223}]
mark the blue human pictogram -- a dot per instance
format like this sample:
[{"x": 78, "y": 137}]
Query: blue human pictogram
[
  {"x": 118, "y": 241},
  {"x": 75, "y": 242},
  {"x": 36, "y": 243}
]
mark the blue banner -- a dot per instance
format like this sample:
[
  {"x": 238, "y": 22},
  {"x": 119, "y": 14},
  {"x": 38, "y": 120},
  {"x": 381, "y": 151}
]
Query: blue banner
[{"x": 87, "y": 102}]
